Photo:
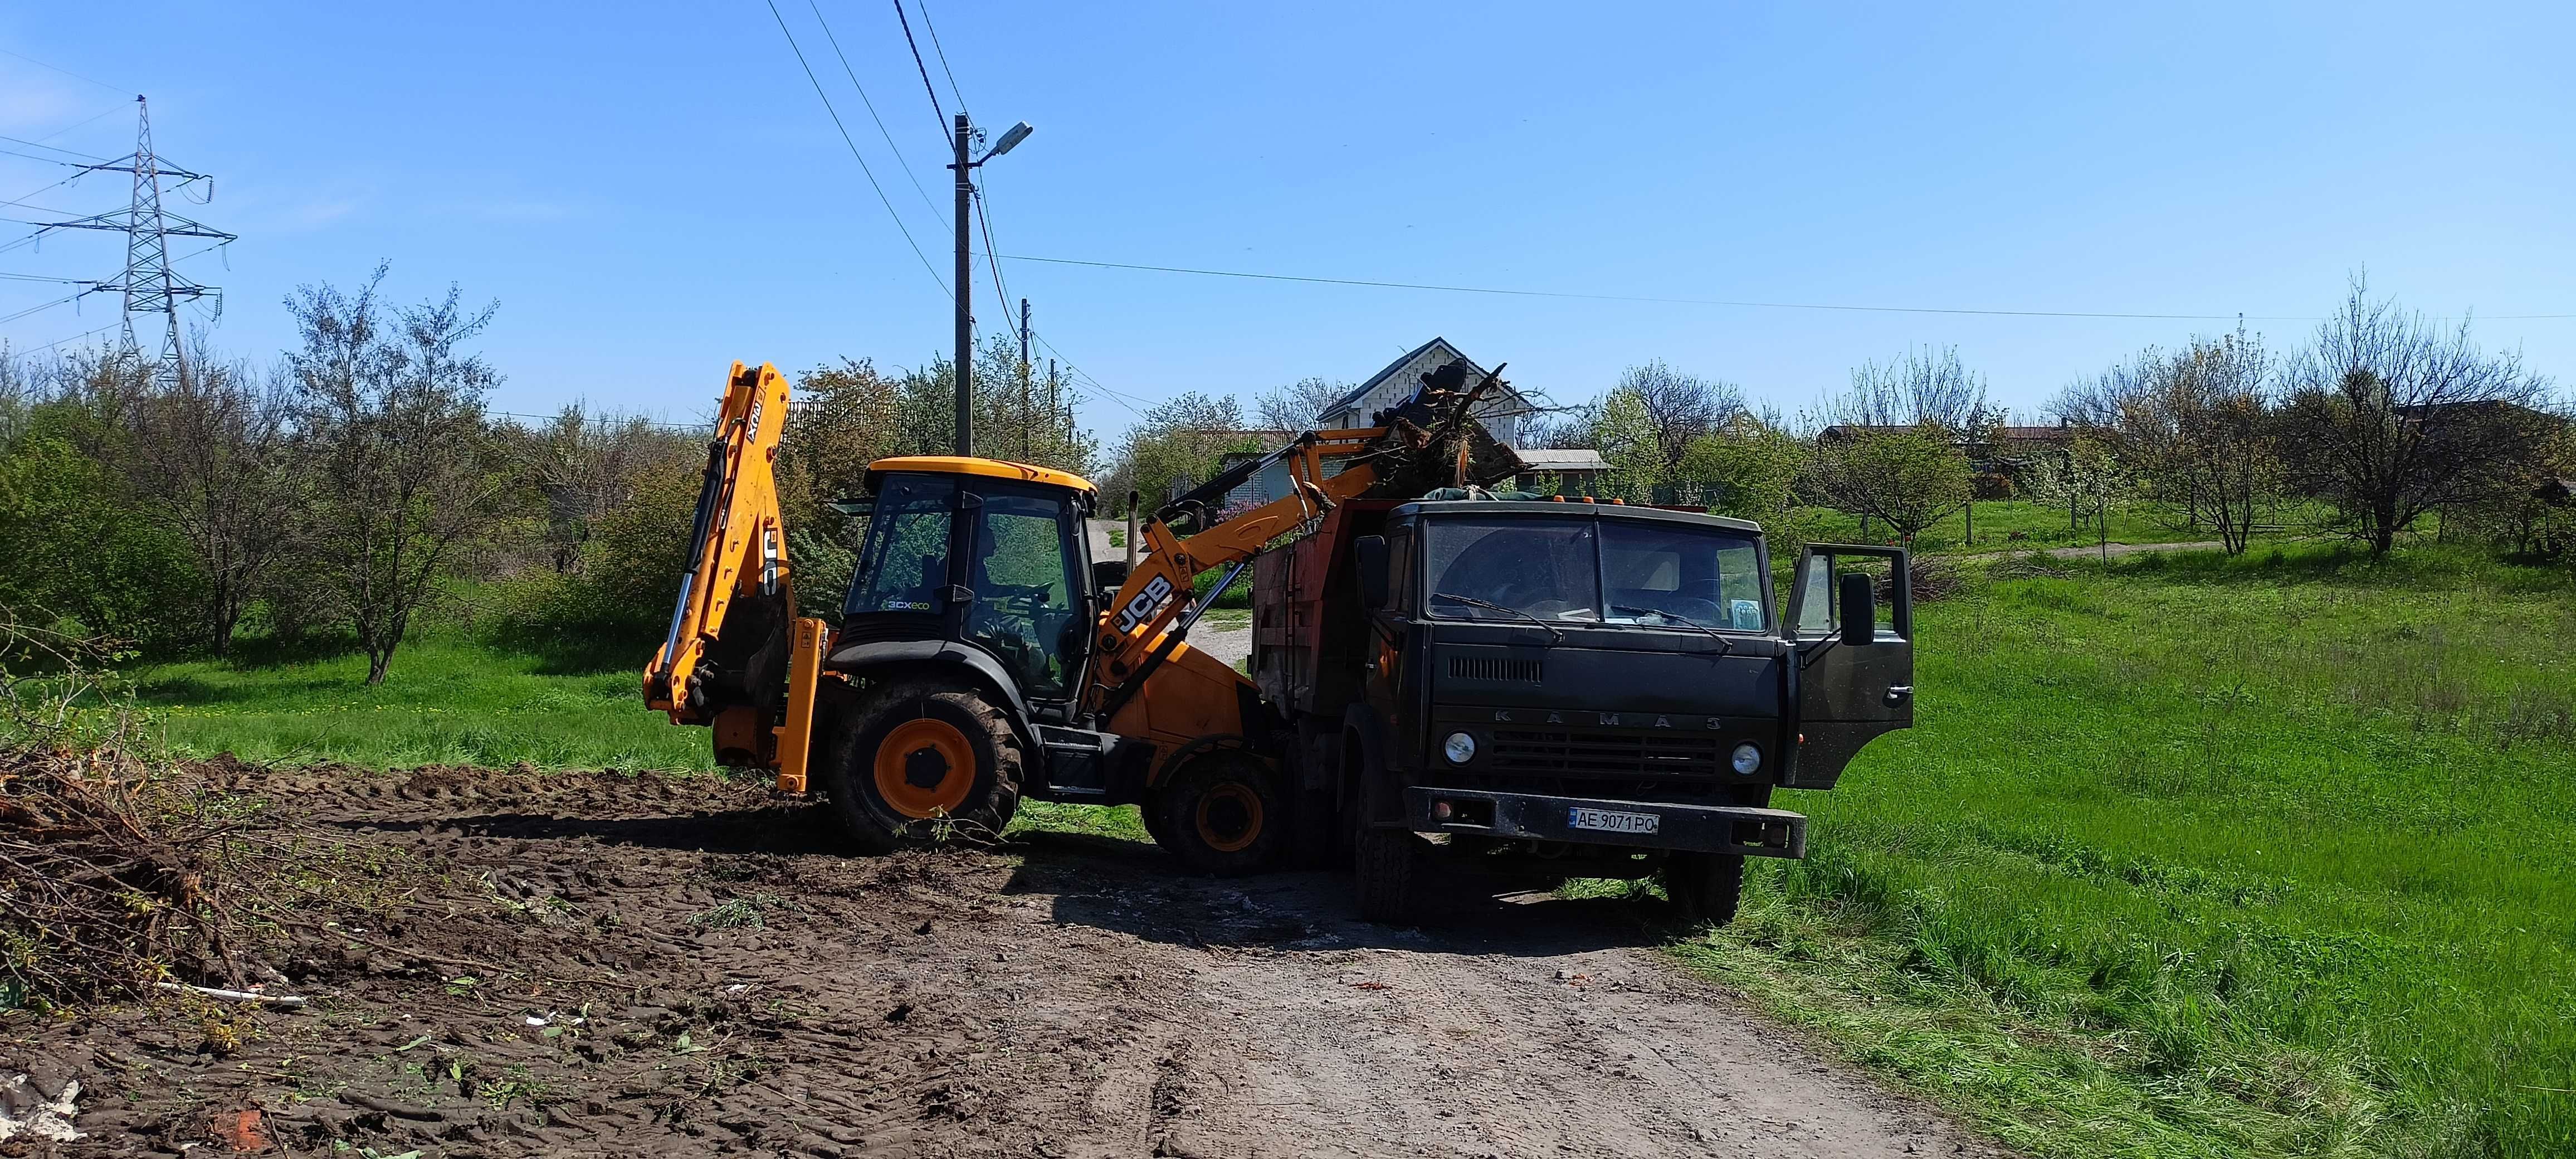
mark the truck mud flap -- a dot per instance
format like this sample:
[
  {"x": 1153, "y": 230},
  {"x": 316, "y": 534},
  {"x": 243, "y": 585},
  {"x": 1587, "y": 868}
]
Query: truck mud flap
[{"x": 1749, "y": 830}]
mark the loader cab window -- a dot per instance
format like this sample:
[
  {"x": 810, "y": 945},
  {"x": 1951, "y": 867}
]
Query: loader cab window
[
  {"x": 903, "y": 565},
  {"x": 1026, "y": 592}
]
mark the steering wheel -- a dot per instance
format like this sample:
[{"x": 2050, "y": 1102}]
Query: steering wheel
[
  {"x": 1711, "y": 590},
  {"x": 1692, "y": 607}
]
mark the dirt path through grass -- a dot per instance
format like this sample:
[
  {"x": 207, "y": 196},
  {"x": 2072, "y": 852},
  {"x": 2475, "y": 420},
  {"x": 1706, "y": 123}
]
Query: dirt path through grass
[{"x": 663, "y": 966}]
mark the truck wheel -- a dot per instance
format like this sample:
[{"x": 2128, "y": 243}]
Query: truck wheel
[
  {"x": 1704, "y": 887},
  {"x": 1388, "y": 863},
  {"x": 925, "y": 760},
  {"x": 1221, "y": 814}
]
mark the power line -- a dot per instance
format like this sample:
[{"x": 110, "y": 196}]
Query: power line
[
  {"x": 872, "y": 109},
  {"x": 44, "y": 278},
  {"x": 57, "y": 148},
  {"x": 40, "y": 141},
  {"x": 1747, "y": 304},
  {"x": 36, "y": 309},
  {"x": 511, "y": 414},
  {"x": 64, "y": 71},
  {"x": 34, "y": 157},
  {"x": 935, "y": 110},
  {"x": 984, "y": 217},
  {"x": 854, "y": 149},
  {"x": 933, "y": 30},
  {"x": 73, "y": 338},
  {"x": 1119, "y": 397}
]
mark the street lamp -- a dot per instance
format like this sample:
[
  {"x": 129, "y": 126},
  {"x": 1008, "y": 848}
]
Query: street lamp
[
  {"x": 1011, "y": 137},
  {"x": 965, "y": 292}
]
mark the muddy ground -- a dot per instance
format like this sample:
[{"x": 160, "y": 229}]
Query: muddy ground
[{"x": 605, "y": 965}]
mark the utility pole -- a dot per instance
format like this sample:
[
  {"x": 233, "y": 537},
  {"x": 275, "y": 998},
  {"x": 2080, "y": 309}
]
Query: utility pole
[
  {"x": 965, "y": 285},
  {"x": 1052, "y": 404},
  {"x": 1024, "y": 380},
  {"x": 148, "y": 284}
]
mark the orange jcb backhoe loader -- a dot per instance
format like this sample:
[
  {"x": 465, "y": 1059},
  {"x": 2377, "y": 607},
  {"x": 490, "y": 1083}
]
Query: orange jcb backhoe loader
[{"x": 982, "y": 656}]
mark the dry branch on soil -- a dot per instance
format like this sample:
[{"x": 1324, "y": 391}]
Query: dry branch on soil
[
  {"x": 119, "y": 868},
  {"x": 115, "y": 872}
]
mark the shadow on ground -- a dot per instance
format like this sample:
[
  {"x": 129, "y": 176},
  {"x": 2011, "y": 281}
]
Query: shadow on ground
[{"x": 1135, "y": 888}]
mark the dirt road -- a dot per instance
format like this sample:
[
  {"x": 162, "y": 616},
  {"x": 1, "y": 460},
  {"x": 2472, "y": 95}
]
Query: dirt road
[{"x": 599, "y": 965}]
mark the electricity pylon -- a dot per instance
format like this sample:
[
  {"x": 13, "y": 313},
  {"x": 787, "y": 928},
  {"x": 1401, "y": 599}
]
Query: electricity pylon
[{"x": 149, "y": 285}]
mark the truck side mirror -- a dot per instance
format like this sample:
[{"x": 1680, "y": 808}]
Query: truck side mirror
[
  {"x": 1859, "y": 609},
  {"x": 1107, "y": 574},
  {"x": 1368, "y": 553}
]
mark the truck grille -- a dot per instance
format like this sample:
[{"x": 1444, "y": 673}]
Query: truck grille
[
  {"x": 1495, "y": 668},
  {"x": 1562, "y": 753}
]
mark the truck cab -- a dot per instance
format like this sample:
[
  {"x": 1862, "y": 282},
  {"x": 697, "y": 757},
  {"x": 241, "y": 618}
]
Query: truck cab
[{"x": 1574, "y": 688}]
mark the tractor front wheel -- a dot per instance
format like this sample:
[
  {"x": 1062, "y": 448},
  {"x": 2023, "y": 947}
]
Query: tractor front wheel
[{"x": 927, "y": 760}]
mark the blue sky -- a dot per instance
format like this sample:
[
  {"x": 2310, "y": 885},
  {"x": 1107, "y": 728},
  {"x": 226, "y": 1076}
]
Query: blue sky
[{"x": 652, "y": 190}]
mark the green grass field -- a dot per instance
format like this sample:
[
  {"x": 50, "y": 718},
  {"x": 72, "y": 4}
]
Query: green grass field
[
  {"x": 449, "y": 700},
  {"x": 2196, "y": 857},
  {"x": 2041, "y": 525},
  {"x": 2264, "y": 857}
]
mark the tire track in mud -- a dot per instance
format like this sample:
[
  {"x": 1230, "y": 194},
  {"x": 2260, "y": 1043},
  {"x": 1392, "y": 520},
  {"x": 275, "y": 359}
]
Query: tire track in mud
[{"x": 686, "y": 966}]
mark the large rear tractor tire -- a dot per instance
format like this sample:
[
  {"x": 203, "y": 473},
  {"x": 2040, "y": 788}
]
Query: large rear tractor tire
[
  {"x": 924, "y": 759},
  {"x": 1704, "y": 887},
  {"x": 1222, "y": 813}
]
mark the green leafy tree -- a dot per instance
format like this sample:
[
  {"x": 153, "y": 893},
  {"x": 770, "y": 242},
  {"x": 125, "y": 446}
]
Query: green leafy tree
[
  {"x": 1911, "y": 478},
  {"x": 1751, "y": 471},
  {"x": 406, "y": 478},
  {"x": 72, "y": 546},
  {"x": 1181, "y": 440}
]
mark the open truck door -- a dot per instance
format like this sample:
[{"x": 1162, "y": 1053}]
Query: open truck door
[{"x": 1853, "y": 679}]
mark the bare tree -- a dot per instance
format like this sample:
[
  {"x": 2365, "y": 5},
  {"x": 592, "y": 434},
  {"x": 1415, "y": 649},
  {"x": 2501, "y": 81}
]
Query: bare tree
[
  {"x": 1676, "y": 407},
  {"x": 1296, "y": 406},
  {"x": 392, "y": 418},
  {"x": 2196, "y": 427},
  {"x": 587, "y": 465},
  {"x": 211, "y": 455},
  {"x": 2388, "y": 416},
  {"x": 1922, "y": 388}
]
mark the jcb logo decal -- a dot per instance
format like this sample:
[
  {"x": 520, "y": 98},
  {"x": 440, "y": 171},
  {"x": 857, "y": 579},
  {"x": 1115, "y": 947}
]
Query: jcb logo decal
[{"x": 1144, "y": 603}]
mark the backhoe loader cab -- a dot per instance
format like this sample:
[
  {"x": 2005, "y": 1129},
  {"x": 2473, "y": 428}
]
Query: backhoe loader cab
[{"x": 987, "y": 554}]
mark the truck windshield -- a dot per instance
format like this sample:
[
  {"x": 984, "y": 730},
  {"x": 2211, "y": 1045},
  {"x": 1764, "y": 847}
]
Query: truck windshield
[
  {"x": 1555, "y": 570},
  {"x": 1501, "y": 569}
]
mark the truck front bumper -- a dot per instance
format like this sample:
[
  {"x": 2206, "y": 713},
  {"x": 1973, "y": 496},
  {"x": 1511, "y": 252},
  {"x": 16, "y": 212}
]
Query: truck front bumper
[{"x": 1746, "y": 829}]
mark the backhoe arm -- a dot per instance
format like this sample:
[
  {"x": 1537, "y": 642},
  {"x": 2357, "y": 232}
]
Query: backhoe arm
[{"x": 728, "y": 642}]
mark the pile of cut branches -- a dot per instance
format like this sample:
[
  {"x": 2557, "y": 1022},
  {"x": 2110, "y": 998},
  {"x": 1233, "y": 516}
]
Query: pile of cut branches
[
  {"x": 115, "y": 872},
  {"x": 120, "y": 868},
  {"x": 1434, "y": 441}
]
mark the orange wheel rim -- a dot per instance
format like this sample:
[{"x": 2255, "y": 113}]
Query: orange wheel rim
[
  {"x": 925, "y": 768},
  {"x": 1229, "y": 818}
]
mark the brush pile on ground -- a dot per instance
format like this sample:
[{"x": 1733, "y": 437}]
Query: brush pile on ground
[
  {"x": 121, "y": 868},
  {"x": 118, "y": 871}
]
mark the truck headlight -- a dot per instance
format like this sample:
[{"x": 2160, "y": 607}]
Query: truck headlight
[
  {"x": 1459, "y": 748},
  {"x": 1748, "y": 759}
]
